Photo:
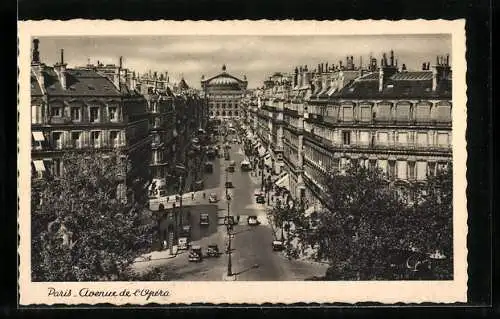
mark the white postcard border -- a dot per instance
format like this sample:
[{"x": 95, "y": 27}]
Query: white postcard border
[{"x": 33, "y": 293}]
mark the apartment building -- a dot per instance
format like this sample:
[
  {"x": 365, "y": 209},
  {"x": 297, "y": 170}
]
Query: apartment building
[
  {"x": 378, "y": 116},
  {"x": 81, "y": 109}
]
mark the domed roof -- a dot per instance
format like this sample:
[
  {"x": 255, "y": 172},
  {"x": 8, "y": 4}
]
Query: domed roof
[{"x": 223, "y": 79}]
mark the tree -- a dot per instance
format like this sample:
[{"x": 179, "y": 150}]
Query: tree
[
  {"x": 81, "y": 229},
  {"x": 370, "y": 232}
]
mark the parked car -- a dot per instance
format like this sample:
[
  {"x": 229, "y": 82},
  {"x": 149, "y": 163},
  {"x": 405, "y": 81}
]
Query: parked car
[
  {"x": 213, "y": 250},
  {"x": 195, "y": 254},
  {"x": 229, "y": 185},
  {"x": 260, "y": 199},
  {"x": 183, "y": 243},
  {"x": 253, "y": 221},
  {"x": 278, "y": 245},
  {"x": 204, "y": 220},
  {"x": 212, "y": 198}
]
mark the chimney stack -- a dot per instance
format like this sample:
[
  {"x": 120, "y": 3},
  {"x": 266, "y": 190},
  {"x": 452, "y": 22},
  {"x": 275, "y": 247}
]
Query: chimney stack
[
  {"x": 35, "y": 57},
  {"x": 403, "y": 68},
  {"x": 381, "y": 79},
  {"x": 116, "y": 78},
  {"x": 434, "y": 78},
  {"x": 392, "y": 58},
  {"x": 60, "y": 69}
]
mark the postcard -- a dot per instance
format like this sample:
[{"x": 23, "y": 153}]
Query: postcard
[{"x": 230, "y": 162}]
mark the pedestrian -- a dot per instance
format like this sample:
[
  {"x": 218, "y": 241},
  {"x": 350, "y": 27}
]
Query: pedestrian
[
  {"x": 204, "y": 195},
  {"x": 192, "y": 196},
  {"x": 164, "y": 244}
]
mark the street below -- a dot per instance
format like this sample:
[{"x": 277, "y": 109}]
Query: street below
[{"x": 251, "y": 253}]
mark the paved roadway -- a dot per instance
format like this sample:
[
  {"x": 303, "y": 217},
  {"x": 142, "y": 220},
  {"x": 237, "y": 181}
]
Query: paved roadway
[{"x": 251, "y": 244}]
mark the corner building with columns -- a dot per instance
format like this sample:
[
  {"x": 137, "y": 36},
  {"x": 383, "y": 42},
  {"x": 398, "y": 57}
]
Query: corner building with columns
[{"x": 224, "y": 93}]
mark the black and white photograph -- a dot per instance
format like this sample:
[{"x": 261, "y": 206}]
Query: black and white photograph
[{"x": 266, "y": 160}]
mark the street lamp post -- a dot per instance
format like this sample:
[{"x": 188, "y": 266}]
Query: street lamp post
[{"x": 229, "y": 262}]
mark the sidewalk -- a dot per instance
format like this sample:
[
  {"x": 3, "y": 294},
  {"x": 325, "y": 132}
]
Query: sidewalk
[{"x": 145, "y": 261}]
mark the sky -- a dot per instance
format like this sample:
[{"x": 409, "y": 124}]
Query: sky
[{"x": 257, "y": 57}]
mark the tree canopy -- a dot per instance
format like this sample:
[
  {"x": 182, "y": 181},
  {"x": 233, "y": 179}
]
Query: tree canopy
[
  {"x": 81, "y": 230},
  {"x": 375, "y": 229}
]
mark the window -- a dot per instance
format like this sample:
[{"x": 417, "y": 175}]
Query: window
[
  {"x": 442, "y": 166},
  {"x": 56, "y": 111},
  {"x": 347, "y": 113},
  {"x": 443, "y": 139},
  {"x": 57, "y": 140},
  {"x": 402, "y": 138},
  {"x": 403, "y": 112},
  {"x": 76, "y": 139},
  {"x": 392, "y": 169},
  {"x": 422, "y": 139},
  {"x": 401, "y": 169},
  {"x": 36, "y": 114},
  {"x": 382, "y": 138},
  {"x": 442, "y": 113},
  {"x": 421, "y": 170},
  {"x": 346, "y": 138},
  {"x": 364, "y": 138},
  {"x": 57, "y": 167},
  {"x": 94, "y": 114},
  {"x": 113, "y": 137},
  {"x": 411, "y": 170},
  {"x": 113, "y": 113},
  {"x": 365, "y": 114},
  {"x": 235, "y": 113},
  {"x": 383, "y": 112},
  {"x": 96, "y": 139},
  {"x": 431, "y": 168},
  {"x": 382, "y": 164},
  {"x": 372, "y": 164},
  {"x": 422, "y": 113},
  {"x": 76, "y": 114}
]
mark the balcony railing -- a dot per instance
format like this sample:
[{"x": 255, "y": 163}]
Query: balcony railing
[{"x": 378, "y": 146}]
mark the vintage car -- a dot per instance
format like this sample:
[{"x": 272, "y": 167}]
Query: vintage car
[
  {"x": 204, "y": 220},
  {"x": 229, "y": 185},
  {"x": 278, "y": 245},
  {"x": 260, "y": 199},
  {"x": 183, "y": 243},
  {"x": 253, "y": 221},
  {"x": 212, "y": 198},
  {"x": 245, "y": 166},
  {"x": 213, "y": 250},
  {"x": 195, "y": 254}
]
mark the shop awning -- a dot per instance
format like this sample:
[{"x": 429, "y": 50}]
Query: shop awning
[
  {"x": 283, "y": 181},
  {"x": 38, "y": 136},
  {"x": 39, "y": 165}
]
